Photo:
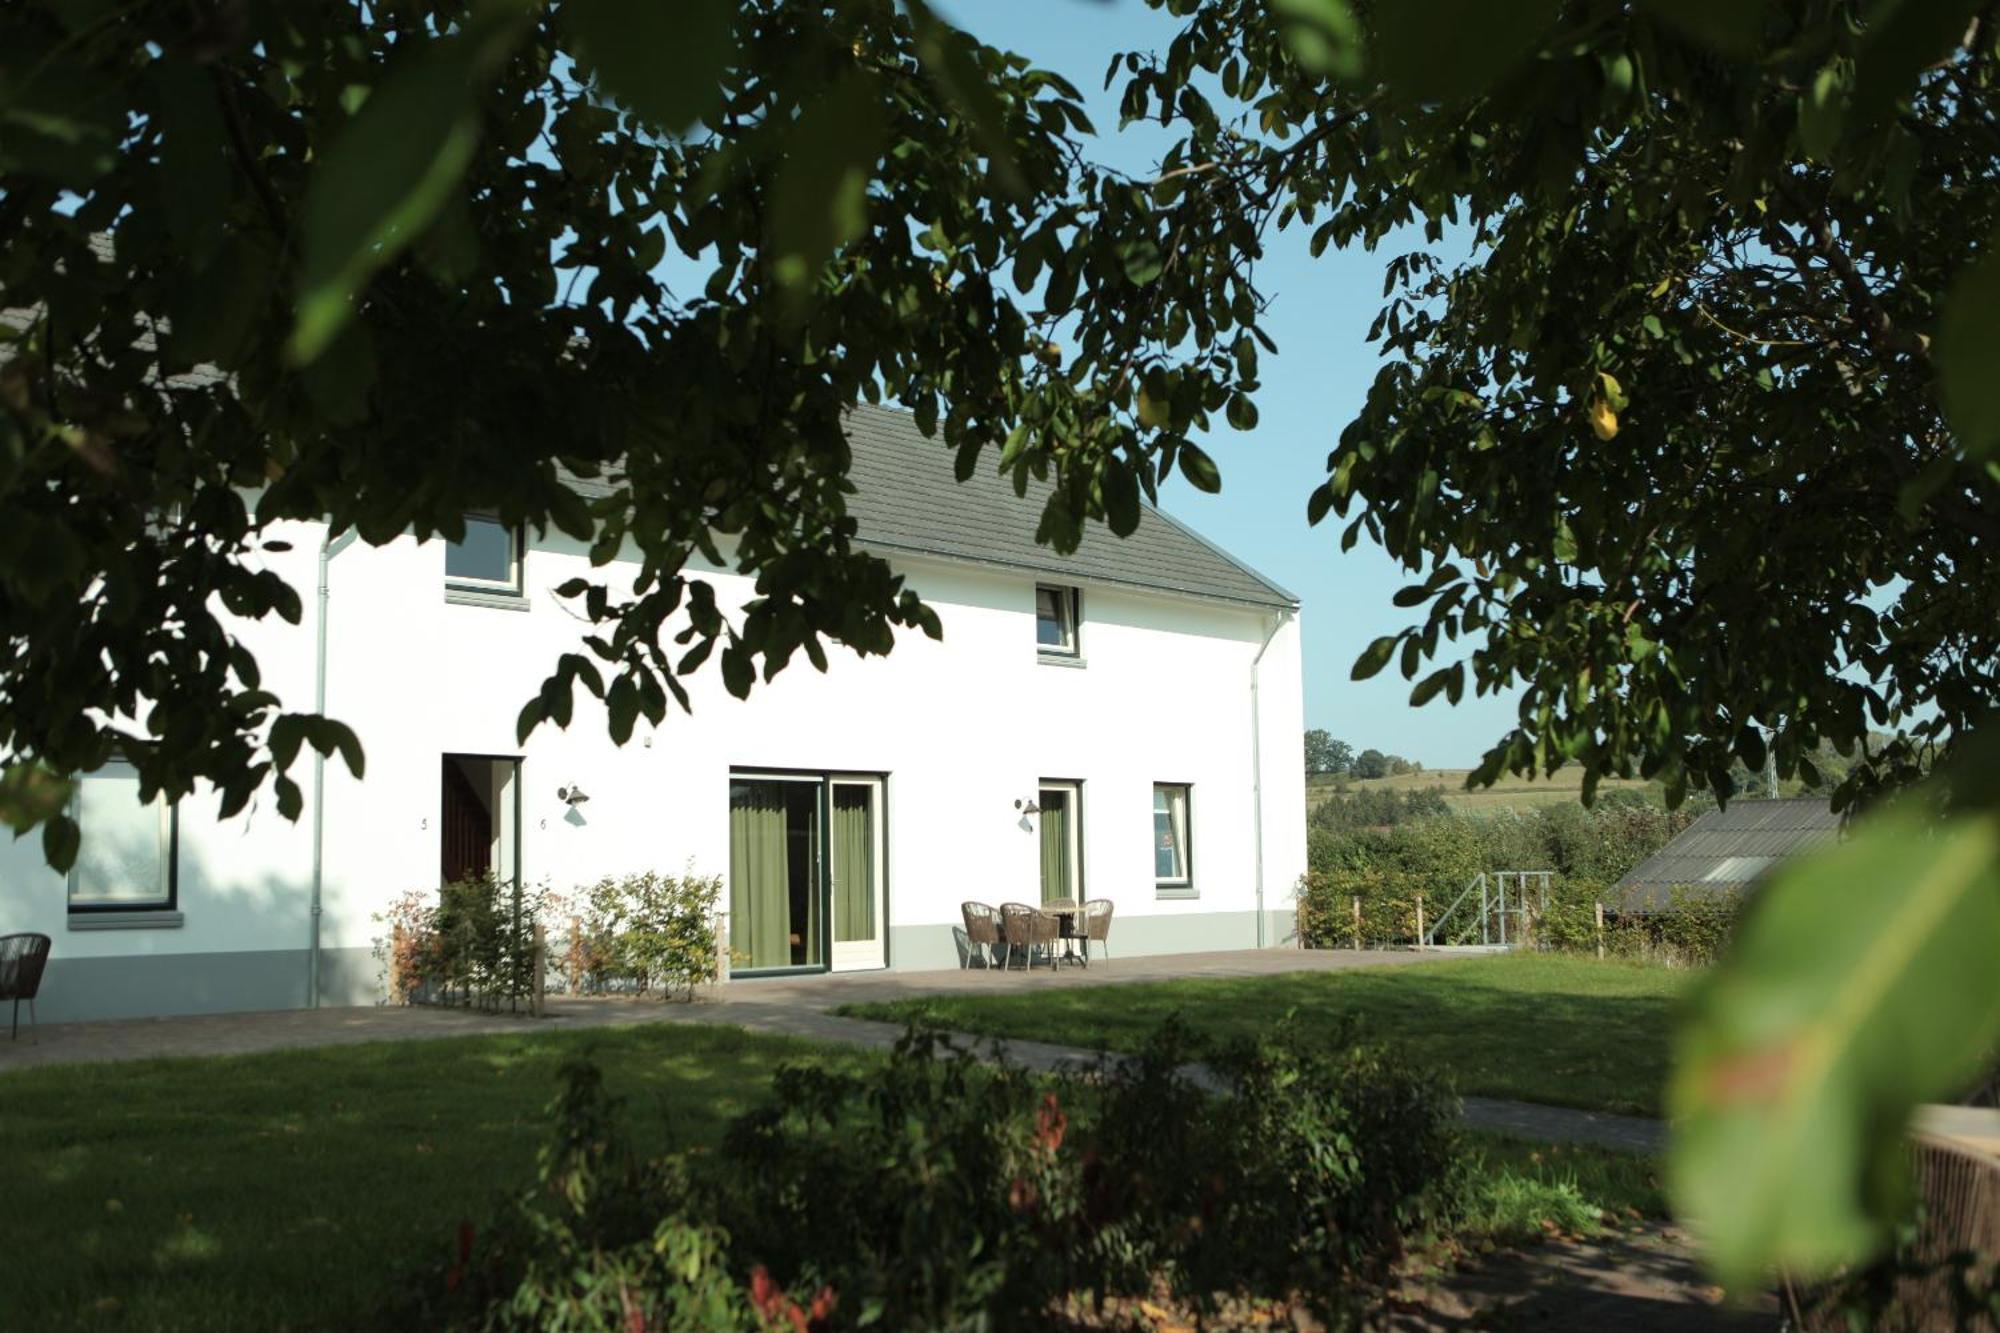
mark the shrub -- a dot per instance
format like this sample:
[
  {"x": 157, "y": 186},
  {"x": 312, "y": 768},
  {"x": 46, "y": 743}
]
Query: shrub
[
  {"x": 644, "y": 932},
  {"x": 469, "y": 943},
  {"x": 935, "y": 1192}
]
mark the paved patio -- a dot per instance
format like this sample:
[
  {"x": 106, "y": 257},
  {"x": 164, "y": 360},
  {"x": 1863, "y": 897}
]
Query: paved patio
[
  {"x": 797, "y": 1007},
  {"x": 774, "y": 1004}
]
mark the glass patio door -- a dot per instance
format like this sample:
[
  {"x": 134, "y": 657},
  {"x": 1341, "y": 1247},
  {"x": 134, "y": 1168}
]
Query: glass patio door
[
  {"x": 776, "y": 881},
  {"x": 1062, "y": 840},
  {"x": 855, "y": 849}
]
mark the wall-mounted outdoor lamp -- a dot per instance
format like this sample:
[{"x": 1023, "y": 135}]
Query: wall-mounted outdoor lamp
[{"x": 571, "y": 795}]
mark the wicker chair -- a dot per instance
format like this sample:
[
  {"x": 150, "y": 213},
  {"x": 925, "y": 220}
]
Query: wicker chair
[
  {"x": 982, "y": 931},
  {"x": 1097, "y": 926},
  {"x": 22, "y": 958},
  {"x": 1028, "y": 927}
]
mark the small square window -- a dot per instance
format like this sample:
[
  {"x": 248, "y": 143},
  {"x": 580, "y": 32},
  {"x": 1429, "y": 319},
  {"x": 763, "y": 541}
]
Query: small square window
[
  {"x": 488, "y": 560},
  {"x": 1170, "y": 836},
  {"x": 1056, "y": 621},
  {"x": 127, "y": 860}
]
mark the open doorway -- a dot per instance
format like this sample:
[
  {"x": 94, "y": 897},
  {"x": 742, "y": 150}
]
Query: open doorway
[{"x": 479, "y": 819}]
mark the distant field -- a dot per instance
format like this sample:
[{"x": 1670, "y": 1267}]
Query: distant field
[{"x": 1508, "y": 793}]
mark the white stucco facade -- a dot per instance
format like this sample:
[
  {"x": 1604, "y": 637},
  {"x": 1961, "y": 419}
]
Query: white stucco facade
[{"x": 958, "y": 731}]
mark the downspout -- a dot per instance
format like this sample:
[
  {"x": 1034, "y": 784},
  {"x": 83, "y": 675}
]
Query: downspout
[
  {"x": 329, "y": 547},
  {"x": 1257, "y": 765}
]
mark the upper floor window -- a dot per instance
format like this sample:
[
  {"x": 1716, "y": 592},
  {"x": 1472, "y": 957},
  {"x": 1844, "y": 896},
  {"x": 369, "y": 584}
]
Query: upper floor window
[
  {"x": 1056, "y": 617},
  {"x": 127, "y": 860},
  {"x": 488, "y": 560}
]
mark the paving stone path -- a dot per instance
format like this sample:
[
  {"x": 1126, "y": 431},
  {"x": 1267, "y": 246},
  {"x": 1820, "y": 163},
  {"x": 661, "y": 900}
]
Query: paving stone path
[{"x": 799, "y": 1008}]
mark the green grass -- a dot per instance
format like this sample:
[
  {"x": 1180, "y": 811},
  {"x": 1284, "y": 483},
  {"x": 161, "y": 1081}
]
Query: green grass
[
  {"x": 1538, "y": 1027},
  {"x": 1508, "y": 792},
  {"x": 1523, "y": 1191},
  {"x": 297, "y": 1189}
]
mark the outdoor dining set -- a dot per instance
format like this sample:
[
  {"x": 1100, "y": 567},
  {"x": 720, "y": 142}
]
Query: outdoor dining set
[{"x": 1062, "y": 930}]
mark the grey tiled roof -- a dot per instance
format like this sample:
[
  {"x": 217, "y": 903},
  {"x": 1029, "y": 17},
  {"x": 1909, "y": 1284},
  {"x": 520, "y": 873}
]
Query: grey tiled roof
[
  {"x": 1726, "y": 850},
  {"x": 908, "y": 499}
]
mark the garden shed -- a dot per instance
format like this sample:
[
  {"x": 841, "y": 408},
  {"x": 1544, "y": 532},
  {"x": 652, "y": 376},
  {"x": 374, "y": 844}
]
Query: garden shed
[{"x": 1729, "y": 850}]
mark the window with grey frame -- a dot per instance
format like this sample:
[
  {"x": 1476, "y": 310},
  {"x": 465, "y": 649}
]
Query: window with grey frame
[
  {"x": 487, "y": 562},
  {"x": 1058, "y": 621},
  {"x": 128, "y": 858},
  {"x": 1173, "y": 843}
]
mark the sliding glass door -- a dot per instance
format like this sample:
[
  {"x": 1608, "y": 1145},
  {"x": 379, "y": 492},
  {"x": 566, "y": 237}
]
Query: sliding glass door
[
  {"x": 806, "y": 858},
  {"x": 775, "y": 894},
  {"x": 856, "y": 845}
]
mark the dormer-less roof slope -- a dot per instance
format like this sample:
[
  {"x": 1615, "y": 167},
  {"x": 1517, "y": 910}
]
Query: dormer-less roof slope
[
  {"x": 1727, "y": 850},
  {"x": 908, "y": 500}
]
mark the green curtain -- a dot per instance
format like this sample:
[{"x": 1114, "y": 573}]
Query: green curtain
[
  {"x": 853, "y": 863},
  {"x": 1055, "y": 847},
  {"x": 760, "y": 910}
]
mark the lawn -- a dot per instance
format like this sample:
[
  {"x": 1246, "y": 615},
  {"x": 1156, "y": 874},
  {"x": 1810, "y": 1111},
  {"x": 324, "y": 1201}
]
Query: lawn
[
  {"x": 1538, "y": 1027},
  {"x": 294, "y": 1190}
]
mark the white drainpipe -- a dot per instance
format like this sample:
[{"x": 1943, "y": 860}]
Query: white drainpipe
[
  {"x": 1257, "y": 765},
  {"x": 329, "y": 547}
]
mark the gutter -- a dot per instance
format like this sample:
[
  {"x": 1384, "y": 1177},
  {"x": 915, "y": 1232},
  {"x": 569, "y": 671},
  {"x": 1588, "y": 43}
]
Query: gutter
[
  {"x": 1257, "y": 764},
  {"x": 329, "y": 547}
]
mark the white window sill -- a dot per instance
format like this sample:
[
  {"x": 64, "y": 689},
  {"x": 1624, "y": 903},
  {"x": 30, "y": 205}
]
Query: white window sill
[
  {"x": 1176, "y": 891},
  {"x": 1061, "y": 659},
  {"x": 495, "y": 600},
  {"x": 138, "y": 919}
]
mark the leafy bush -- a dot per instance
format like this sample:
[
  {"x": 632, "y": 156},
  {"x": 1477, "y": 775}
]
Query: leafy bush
[
  {"x": 645, "y": 932},
  {"x": 935, "y": 1192},
  {"x": 468, "y": 943}
]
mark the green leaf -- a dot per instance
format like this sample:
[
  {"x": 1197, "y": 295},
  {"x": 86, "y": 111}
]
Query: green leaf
[
  {"x": 1822, "y": 111},
  {"x": 1968, "y": 349},
  {"x": 947, "y": 55},
  {"x": 1200, "y": 469},
  {"x": 1454, "y": 50},
  {"x": 1429, "y": 687},
  {"x": 389, "y": 172},
  {"x": 1322, "y": 35},
  {"x": 819, "y": 201},
  {"x": 331, "y": 737},
  {"x": 195, "y": 178},
  {"x": 31, "y": 793},
  {"x": 1242, "y": 412},
  {"x": 663, "y": 61},
  {"x": 1900, "y": 39},
  {"x": 1861, "y": 983},
  {"x": 1374, "y": 657},
  {"x": 1121, "y": 498},
  {"x": 60, "y": 839},
  {"x": 739, "y": 670},
  {"x": 1732, "y": 27}
]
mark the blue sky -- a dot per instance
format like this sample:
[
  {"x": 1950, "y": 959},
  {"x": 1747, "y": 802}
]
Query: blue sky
[{"x": 1321, "y": 310}]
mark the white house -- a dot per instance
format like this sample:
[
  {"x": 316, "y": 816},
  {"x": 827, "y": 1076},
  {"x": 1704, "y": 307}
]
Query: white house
[{"x": 1143, "y": 696}]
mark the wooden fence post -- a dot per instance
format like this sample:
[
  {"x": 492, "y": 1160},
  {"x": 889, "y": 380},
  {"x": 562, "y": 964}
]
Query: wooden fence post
[
  {"x": 1357, "y": 921},
  {"x": 1600, "y": 930},
  {"x": 1420, "y": 921},
  {"x": 399, "y": 992},
  {"x": 541, "y": 994}
]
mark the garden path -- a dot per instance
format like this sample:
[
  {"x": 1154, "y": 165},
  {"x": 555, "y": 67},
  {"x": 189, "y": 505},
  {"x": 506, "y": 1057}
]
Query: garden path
[{"x": 796, "y": 1007}]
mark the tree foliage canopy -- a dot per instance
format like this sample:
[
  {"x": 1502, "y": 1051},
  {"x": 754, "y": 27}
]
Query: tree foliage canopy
[{"x": 1686, "y": 427}]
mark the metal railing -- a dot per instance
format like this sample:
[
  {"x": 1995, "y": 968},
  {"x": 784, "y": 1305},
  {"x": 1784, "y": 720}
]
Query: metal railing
[{"x": 1486, "y": 906}]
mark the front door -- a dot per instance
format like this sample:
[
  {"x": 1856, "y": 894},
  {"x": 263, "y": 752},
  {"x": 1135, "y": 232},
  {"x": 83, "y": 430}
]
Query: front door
[
  {"x": 1062, "y": 840},
  {"x": 854, "y": 854}
]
